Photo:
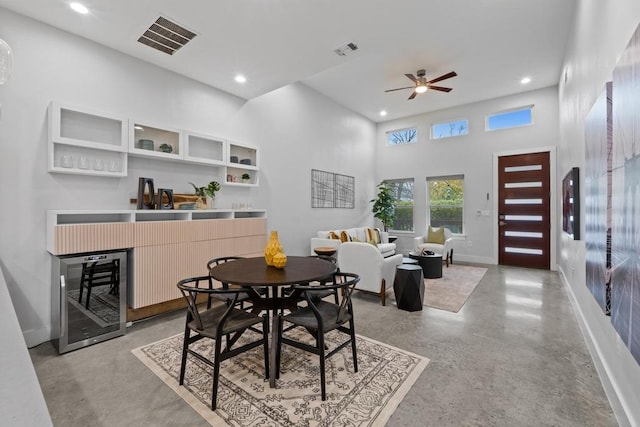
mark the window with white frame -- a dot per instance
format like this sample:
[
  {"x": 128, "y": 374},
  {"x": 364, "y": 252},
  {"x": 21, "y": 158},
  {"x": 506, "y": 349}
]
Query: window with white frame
[
  {"x": 449, "y": 129},
  {"x": 445, "y": 202},
  {"x": 402, "y": 191},
  {"x": 522, "y": 116},
  {"x": 402, "y": 136}
]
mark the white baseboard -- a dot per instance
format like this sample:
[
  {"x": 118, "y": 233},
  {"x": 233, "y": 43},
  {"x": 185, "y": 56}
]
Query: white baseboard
[
  {"x": 618, "y": 403},
  {"x": 34, "y": 337},
  {"x": 472, "y": 258}
]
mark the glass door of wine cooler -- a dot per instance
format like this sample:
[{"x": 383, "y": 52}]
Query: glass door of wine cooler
[{"x": 90, "y": 293}]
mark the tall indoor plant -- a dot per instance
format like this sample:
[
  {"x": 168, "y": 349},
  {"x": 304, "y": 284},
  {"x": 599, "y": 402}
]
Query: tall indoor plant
[{"x": 384, "y": 205}]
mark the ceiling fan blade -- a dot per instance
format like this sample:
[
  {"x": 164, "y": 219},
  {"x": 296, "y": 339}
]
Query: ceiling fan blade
[
  {"x": 413, "y": 95},
  {"x": 410, "y": 77},
  {"x": 442, "y": 89},
  {"x": 443, "y": 77},
  {"x": 400, "y": 88}
]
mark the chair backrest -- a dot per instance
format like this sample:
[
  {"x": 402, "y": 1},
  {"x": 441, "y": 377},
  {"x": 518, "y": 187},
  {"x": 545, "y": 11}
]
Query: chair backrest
[
  {"x": 344, "y": 283},
  {"x": 347, "y": 282},
  {"x": 363, "y": 259},
  {"x": 330, "y": 259},
  {"x": 220, "y": 260},
  {"x": 191, "y": 288}
]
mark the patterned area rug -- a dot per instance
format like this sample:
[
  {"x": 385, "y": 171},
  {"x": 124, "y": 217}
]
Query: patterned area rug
[
  {"x": 366, "y": 398},
  {"x": 104, "y": 308},
  {"x": 454, "y": 288}
]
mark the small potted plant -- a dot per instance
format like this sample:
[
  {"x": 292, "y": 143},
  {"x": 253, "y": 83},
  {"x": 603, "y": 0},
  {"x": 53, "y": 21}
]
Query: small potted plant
[
  {"x": 208, "y": 191},
  {"x": 166, "y": 148},
  {"x": 246, "y": 178},
  {"x": 211, "y": 189}
]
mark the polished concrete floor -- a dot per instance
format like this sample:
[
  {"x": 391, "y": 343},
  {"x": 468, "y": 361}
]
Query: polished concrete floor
[{"x": 513, "y": 356}]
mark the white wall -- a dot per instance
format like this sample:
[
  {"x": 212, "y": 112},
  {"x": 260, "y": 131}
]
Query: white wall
[
  {"x": 296, "y": 129},
  {"x": 471, "y": 155},
  {"x": 299, "y": 130},
  {"x": 600, "y": 34}
]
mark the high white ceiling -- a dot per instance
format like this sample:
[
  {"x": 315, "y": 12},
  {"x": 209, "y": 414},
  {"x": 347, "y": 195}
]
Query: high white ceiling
[{"x": 491, "y": 44}]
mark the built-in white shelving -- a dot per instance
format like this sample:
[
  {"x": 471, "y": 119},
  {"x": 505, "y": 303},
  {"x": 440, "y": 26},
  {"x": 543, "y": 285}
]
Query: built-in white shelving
[
  {"x": 147, "y": 139},
  {"x": 86, "y": 142},
  {"x": 243, "y": 159},
  {"x": 204, "y": 149},
  {"x": 90, "y": 142}
]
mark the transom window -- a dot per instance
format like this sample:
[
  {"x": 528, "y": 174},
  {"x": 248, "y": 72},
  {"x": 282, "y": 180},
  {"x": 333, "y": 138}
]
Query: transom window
[
  {"x": 449, "y": 129},
  {"x": 445, "y": 202},
  {"x": 402, "y": 136},
  {"x": 517, "y": 117},
  {"x": 402, "y": 191}
]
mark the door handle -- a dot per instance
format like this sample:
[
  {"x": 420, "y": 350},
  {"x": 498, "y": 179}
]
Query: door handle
[
  {"x": 502, "y": 223},
  {"x": 63, "y": 306}
]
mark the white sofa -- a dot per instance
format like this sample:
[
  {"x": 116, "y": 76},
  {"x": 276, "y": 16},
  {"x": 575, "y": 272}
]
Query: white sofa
[
  {"x": 421, "y": 243},
  {"x": 376, "y": 272},
  {"x": 358, "y": 234}
]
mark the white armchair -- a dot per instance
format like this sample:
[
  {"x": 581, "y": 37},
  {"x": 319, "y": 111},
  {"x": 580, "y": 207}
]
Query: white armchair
[
  {"x": 376, "y": 272},
  {"x": 430, "y": 242}
]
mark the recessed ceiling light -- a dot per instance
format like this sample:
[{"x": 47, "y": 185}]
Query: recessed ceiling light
[
  {"x": 240, "y": 78},
  {"x": 383, "y": 113},
  {"x": 525, "y": 80},
  {"x": 79, "y": 7}
]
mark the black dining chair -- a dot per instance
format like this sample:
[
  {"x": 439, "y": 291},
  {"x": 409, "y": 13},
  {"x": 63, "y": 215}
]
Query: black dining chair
[
  {"x": 317, "y": 294},
  {"x": 99, "y": 274},
  {"x": 319, "y": 317},
  {"x": 243, "y": 298},
  {"x": 216, "y": 321}
]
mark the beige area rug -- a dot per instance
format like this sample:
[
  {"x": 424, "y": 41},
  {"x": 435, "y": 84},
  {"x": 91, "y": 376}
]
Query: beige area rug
[
  {"x": 366, "y": 398},
  {"x": 454, "y": 288}
]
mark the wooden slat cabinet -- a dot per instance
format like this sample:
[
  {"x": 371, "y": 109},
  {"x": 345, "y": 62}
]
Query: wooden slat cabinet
[
  {"x": 79, "y": 238},
  {"x": 156, "y": 270},
  {"x": 164, "y": 251},
  {"x": 213, "y": 229},
  {"x": 159, "y": 263},
  {"x": 155, "y": 233}
]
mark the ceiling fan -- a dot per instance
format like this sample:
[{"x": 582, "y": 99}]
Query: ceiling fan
[{"x": 422, "y": 85}]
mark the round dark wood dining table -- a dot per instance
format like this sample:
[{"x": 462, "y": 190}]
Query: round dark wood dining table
[{"x": 255, "y": 273}]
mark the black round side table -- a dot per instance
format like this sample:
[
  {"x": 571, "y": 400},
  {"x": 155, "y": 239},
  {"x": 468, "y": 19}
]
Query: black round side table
[
  {"x": 408, "y": 287},
  {"x": 431, "y": 264}
]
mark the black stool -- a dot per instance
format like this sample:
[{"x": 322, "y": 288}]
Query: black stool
[{"x": 408, "y": 287}]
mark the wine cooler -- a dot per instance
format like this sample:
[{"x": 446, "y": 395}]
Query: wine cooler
[{"x": 89, "y": 298}]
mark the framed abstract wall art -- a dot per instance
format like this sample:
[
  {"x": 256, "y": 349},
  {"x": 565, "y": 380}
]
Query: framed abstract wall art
[
  {"x": 332, "y": 190},
  {"x": 625, "y": 198}
]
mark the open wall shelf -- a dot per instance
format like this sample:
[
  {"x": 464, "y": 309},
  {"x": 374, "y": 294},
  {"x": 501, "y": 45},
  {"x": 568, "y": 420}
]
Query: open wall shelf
[{"x": 84, "y": 141}]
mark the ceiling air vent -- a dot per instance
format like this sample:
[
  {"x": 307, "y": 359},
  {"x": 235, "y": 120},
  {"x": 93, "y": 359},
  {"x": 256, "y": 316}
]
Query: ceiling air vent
[
  {"x": 166, "y": 36},
  {"x": 346, "y": 49}
]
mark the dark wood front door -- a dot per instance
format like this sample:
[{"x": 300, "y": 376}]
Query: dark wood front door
[{"x": 523, "y": 210}]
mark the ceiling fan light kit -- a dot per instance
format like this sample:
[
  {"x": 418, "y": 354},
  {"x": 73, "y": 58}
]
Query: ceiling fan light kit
[{"x": 422, "y": 85}]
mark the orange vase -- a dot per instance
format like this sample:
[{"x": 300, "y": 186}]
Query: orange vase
[
  {"x": 272, "y": 248},
  {"x": 279, "y": 260}
]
